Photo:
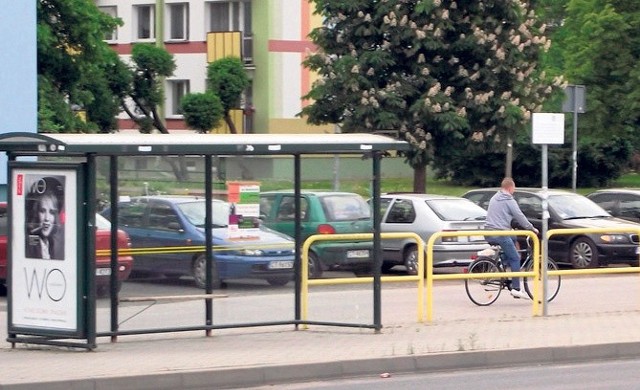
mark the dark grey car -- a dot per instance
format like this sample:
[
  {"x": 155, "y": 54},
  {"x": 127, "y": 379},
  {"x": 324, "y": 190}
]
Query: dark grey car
[
  {"x": 568, "y": 210},
  {"x": 620, "y": 202}
]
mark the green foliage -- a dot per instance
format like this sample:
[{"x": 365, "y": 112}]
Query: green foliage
[
  {"x": 451, "y": 76},
  {"x": 54, "y": 114},
  {"x": 227, "y": 78},
  {"x": 151, "y": 63},
  {"x": 202, "y": 111},
  {"x": 598, "y": 165},
  {"x": 599, "y": 50},
  {"x": 71, "y": 59}
]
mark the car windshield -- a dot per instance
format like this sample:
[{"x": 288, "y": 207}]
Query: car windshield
[
  {"x": 457, "y": 210},
  {"x": 195, "y": 213},
  {"x": 345, "y": 208},
  {"x": 575, "y": 206}
]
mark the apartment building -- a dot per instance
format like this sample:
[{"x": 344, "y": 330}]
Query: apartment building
[{"x": 269, "y": 36}]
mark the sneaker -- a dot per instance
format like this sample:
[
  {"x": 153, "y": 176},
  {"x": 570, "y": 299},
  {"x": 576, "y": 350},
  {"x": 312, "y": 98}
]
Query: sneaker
[{"x": 519, "y": 294}]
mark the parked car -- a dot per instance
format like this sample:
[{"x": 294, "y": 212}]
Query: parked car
[
  {"x": 426, "y": 214},
  {"x": 620, "y": 202},
  {"x": 178, "y": 223},
  {"x": 103, "y": 262},
  {"x": 568, "y": 210},
  {"x": 323, "y": 212},
  {"x": 103, "y": 243}
]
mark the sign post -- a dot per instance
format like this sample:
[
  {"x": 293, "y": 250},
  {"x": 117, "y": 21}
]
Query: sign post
[
  {"x": 574, "y": 102},
  {"x": 546, "y": 129}
]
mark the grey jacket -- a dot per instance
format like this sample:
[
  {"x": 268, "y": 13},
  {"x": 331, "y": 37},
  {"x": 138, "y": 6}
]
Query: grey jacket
[{"x": 502, "y": 210}]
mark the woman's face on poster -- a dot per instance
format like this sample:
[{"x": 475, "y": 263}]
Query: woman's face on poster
[{"x": 47, "y": 212}]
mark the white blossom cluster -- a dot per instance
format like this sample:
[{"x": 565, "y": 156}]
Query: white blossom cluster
[{"x": 459, "y": 86}]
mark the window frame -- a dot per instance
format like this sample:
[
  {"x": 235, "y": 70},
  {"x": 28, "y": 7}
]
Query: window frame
[
  {"x": 171, "y": 19},
  {"x": 174, "y": 99},
  {"x": 237, "y": 18},
  {"x": 111, "y": 10},
  {"x": 151, "y": 20}
]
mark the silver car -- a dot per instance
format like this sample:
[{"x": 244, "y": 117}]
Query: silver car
[{"x": 425, "y": 214}]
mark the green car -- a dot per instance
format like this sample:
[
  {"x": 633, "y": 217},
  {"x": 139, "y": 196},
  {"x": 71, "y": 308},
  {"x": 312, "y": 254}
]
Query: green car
[{"x": 323, "y": 212}]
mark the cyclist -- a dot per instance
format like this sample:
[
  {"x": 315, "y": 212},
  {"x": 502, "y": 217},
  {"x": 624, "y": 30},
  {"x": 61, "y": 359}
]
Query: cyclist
[{"x": 502, "y": 210}]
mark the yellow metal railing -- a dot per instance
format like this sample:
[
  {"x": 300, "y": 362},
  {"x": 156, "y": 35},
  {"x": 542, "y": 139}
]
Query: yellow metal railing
[
  {"x": 537, "y": 286},
  {"x": 536, "y": 273},
  {"x": 306, "y": 282},
  {"x": 594, "y": 271}
]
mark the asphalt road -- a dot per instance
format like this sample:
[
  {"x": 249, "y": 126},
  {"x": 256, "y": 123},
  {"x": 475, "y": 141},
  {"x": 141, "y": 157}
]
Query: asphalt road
[{"x": 609, "y": 375}]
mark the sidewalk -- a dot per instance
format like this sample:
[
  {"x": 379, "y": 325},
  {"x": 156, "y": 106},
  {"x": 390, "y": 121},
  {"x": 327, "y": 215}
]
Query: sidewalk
[{"x": 462, "y": 337}]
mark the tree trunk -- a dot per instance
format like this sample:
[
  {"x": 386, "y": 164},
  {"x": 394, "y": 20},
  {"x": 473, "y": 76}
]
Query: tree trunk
[
  {"x": 508, "y": 164},
  {"x": 420, "y": 179},
  {"x": 179, "y": 168},
  {"x": 229, "y": 122}
]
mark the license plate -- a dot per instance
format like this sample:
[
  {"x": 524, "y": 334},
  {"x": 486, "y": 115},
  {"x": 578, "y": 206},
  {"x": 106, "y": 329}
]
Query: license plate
[
  {"x": 281, "y": 264},
  {"x": 357, "y": 254},
  {"x": 103, "y": 271},
  {"x": 476, "y": 238}
]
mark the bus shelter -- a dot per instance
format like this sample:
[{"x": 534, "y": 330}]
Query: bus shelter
[{"x": 51, "y": 297}]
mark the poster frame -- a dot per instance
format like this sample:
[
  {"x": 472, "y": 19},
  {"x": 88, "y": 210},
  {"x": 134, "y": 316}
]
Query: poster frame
[{"x": 75, "y": 279}]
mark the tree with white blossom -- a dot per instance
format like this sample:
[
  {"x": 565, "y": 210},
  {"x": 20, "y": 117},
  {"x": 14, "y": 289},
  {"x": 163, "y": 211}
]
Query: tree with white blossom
[{"x": 452, "y": 77}]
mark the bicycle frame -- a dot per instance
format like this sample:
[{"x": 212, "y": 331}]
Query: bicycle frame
[{"x": 484, "y": 292}]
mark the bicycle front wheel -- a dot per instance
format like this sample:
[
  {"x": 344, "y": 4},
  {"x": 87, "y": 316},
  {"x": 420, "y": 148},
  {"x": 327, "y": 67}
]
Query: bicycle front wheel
[
  {"x": 553, "y": 282},
  {"x": 483, "y": 291}
]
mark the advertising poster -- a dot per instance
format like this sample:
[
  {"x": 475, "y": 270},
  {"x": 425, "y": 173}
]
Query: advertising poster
[
  {"x": 244, "y": 220},
  {"x": 44, "y": 268}
]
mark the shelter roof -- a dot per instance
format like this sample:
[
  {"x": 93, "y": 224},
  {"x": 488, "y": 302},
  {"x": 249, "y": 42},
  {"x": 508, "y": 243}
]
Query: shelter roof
[{"x": 196, "y": 144}]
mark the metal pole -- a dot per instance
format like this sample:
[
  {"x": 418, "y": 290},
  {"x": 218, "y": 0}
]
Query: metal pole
[
  {"x": 336, "y": 164},
  {"x": 575, "y": 139},
  {"x": 545, "y": 226},
  {"x": 377, "y": 247},
  {"x": 113, "y": 288},
  {"x": 208, "y": 233},
  {"x": 90, "y": 221},
  {"x": 297, "y": 185}
]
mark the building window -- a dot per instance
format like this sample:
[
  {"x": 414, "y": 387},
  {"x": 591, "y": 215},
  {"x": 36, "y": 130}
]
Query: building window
[
  {"x": 178, "y": 19},
  {"x": 177, "y": 90},
  {"x": 144, "y": 15},
  {"x": 233, "y": 16},
  {"x": 113, "y": 12}
]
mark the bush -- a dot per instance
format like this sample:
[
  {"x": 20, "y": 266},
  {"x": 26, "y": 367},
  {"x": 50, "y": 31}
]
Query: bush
[{"x": 598, "y": 165}]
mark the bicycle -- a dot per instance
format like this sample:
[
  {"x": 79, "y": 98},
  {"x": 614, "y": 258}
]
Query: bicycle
[{"x": 483, "y": 292}]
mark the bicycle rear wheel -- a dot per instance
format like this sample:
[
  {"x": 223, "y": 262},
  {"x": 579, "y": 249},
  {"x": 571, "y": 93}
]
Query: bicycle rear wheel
[
  {"x": 553, "y": 282},
  {"x": 483, "y": 292}
]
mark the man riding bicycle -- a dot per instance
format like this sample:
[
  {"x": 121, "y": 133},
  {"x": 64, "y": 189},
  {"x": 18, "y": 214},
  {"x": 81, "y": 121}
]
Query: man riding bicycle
[{"x": 502, "y": 210}]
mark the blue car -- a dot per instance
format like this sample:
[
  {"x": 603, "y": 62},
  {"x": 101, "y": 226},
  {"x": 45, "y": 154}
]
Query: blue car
[{"x": 172, "y": 229}]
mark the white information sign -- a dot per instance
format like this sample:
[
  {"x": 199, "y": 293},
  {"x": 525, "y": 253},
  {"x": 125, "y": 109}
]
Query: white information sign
[{"x": 547, "y": 128}]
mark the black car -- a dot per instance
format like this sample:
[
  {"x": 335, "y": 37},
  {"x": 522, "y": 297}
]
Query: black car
[
  {"x": 568, "y": 210},
  {"x": 620, "y": 202}
]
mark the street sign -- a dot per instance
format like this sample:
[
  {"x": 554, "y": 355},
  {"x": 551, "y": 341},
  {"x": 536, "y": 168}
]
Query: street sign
[{"x": 547, "y": 128}]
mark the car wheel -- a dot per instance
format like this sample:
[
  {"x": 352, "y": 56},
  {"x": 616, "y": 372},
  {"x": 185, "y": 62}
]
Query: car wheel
[
  {"x": 199, "y": 272},
  {"x": 315, "y": 268},
  {"x": 584, "y": 253},
  {"x": 278, "y": 281},
  {"x": 411, "y": 260}
]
